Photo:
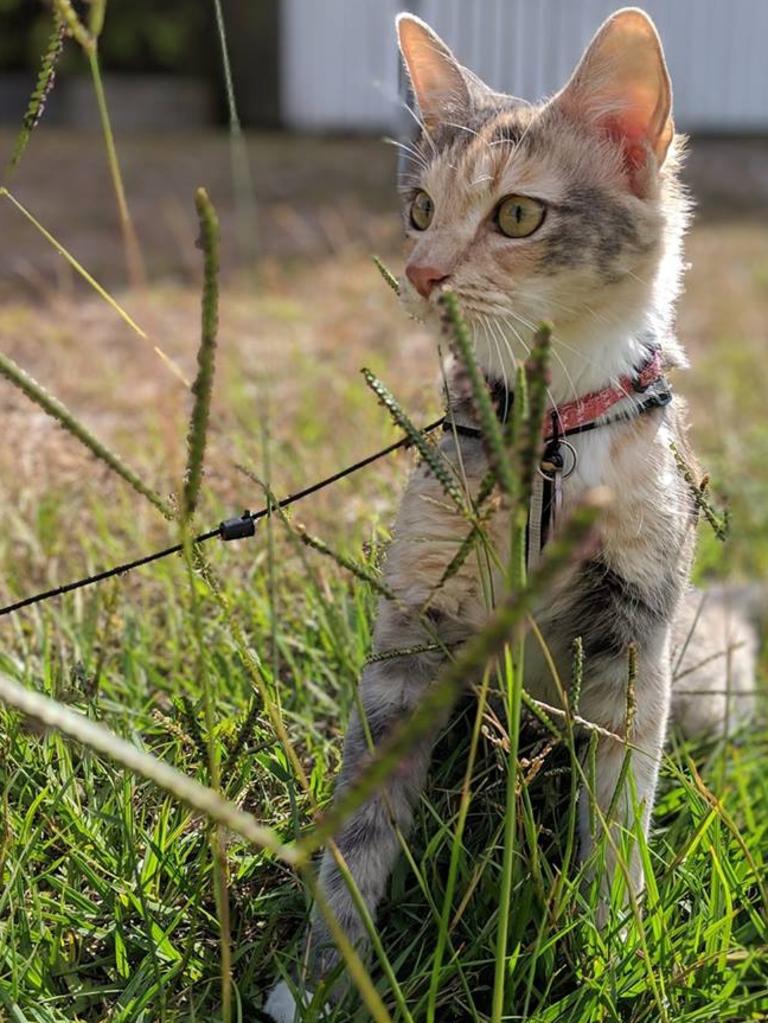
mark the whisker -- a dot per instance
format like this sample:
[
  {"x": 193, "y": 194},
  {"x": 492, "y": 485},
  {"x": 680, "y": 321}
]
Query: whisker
[
  {"x": 503, "y": 368},
  {"x": 527, "y": 350},
  {"x": 569, "y": 379},
  {"x": 410, "y": 151},
  {"x": 421, "y": 124}
]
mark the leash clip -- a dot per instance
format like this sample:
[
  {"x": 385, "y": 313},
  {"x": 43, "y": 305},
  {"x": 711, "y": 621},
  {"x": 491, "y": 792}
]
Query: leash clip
[
  {"x": 553, "y": 465},
  {"x": 238, "y": 528}
]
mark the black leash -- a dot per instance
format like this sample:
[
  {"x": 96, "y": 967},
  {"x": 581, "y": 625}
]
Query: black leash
[
  {"x": 231, "y": 529},
  {"x": 245, "y": 525}
]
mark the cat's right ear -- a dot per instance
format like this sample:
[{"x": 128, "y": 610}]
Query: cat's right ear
[
  {"x": 622, "y": 87},
  {"x": 436, "y": 76}
]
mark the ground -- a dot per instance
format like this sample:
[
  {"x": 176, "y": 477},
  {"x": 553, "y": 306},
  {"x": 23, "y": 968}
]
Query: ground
[{"x": 108, "y": 910}]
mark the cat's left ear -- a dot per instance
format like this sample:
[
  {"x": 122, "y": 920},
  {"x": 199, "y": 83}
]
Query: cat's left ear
[
  {"x": 438, "y": 81},
  {"x": 622, "y": 86}
]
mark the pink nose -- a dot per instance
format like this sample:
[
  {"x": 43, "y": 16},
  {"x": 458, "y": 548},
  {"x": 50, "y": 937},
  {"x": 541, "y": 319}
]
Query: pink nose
[{"x": 424, "y": 278}]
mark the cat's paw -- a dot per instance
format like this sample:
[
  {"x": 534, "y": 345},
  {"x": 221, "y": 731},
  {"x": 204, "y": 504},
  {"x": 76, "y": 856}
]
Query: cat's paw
[{"x": 282, "y": 1005}]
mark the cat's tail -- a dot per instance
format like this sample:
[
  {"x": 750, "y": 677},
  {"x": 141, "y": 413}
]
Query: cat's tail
[{"x": 714, "y": 659}]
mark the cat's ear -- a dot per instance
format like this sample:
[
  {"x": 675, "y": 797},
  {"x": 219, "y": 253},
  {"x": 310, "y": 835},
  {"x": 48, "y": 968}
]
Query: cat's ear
[
  {"x": 438, "y": 82},
  {"x": 622, "y": 86}
]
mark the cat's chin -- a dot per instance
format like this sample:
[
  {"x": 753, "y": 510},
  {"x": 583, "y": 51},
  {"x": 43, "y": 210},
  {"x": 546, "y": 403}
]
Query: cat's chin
[{"x": 416, "y": 308}]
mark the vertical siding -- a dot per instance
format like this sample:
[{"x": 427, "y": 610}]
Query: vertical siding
[{"x": 339, "y": 67}]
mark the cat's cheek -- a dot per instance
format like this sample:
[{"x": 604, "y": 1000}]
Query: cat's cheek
[{"x": 517, "y": 260}]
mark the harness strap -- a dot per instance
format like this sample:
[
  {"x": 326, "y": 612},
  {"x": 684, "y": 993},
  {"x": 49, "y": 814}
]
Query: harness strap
[
  {"x": 658, "y": 399},
  {"x": 559, "y": 457}
]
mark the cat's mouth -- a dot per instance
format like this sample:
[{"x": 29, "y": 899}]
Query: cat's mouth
[{"x": 427, "y": 310}]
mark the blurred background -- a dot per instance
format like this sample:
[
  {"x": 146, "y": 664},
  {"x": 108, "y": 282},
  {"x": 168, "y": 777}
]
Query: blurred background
[
  {"x": 304, "y": 197},
  {"x": 330, "y": 72}
]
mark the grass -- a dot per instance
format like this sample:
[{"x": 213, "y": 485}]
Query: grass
[
  {"x": 108, "y": 911},
  {"x": 121, "y": 903}
]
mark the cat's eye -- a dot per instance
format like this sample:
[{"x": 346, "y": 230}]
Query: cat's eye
[
  {"x": 518, "y": 216},
  {"x": 422, "y": 211}
]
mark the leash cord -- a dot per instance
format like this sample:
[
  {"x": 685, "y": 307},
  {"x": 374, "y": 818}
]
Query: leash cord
[
  {"x": 231, "y": 529},
  {"x": 245, "y": 525}
]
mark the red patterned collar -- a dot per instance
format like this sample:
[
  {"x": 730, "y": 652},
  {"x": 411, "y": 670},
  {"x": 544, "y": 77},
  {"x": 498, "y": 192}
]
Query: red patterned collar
[
  {"x": 574, "y": 416},
  {"x": 647, "y": 385}
]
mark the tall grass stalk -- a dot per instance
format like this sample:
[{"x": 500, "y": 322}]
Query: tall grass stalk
[
  {"x": 444, "y": 926},
  {"x": 719, "y": 521},
  {"x": 241, "y": 167},
  {"x": 88, "y": 39},
  {"x": 76, "y": 28},
  {"x": 492, "y": 431},
  {"x": 513, "y": 676},
  {"x": 389, "y": 278},
  {"x": 435, "y": 459},
  {"x": 98, "y": 288},
  {"x": 206, "y": 353},
  {"x": 43, "y": 85},
  {"x": 133, "y": 258},
  {"x": 216, "y": 836},
  {"x": 513, "y": 453},
  {"x": 197, "y": 434}
]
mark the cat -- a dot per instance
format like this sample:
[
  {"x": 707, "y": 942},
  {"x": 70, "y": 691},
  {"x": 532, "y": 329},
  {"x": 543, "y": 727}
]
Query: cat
[{"x": 570, "y": 210}]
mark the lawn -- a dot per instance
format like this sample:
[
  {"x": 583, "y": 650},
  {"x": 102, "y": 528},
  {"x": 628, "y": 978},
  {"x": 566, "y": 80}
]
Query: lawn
[{"x": 109, "y": 908}]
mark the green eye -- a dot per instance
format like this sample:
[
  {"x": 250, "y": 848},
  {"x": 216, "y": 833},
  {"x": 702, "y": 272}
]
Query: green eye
[
  {"x": 518, "y": 215},
  {"x": 422, "y": 211}
]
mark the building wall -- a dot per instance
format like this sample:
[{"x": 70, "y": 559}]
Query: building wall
[{"x": 339, "y": 66}]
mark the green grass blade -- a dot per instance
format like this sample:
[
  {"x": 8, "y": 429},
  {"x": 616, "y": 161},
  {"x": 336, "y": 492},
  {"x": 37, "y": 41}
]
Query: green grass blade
[
  {"x": 456, "y": 846},
  {"x": 348, "y": 564},
  {"x": 95, "y": 736},
  {"x": 133, "y": 258}
]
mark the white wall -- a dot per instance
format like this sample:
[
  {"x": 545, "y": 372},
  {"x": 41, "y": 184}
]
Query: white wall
[{"x": 340, "y": 67}]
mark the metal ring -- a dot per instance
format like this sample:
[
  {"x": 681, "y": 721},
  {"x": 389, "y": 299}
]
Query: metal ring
[{"x": 566, "y": 472}]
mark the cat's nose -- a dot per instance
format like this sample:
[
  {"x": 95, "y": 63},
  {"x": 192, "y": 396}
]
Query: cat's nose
[{"x": 424, "y": 278}]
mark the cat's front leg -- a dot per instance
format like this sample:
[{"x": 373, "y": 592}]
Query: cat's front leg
[
  {"x": 368, "y": 841},
  {"x": 621, "y": 789}
]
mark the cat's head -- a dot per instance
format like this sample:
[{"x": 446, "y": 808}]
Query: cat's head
[{"x": 568, "y": 210}]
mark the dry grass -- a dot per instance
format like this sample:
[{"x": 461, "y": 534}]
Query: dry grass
[{"x": 293, "y": 337}]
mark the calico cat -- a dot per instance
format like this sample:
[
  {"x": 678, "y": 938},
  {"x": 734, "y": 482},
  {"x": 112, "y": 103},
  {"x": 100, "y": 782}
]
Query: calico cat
[{"x": 570, "y": 210}]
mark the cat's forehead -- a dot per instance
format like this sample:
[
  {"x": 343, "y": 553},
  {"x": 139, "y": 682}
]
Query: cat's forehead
[{"x": 497, "y": 149}]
